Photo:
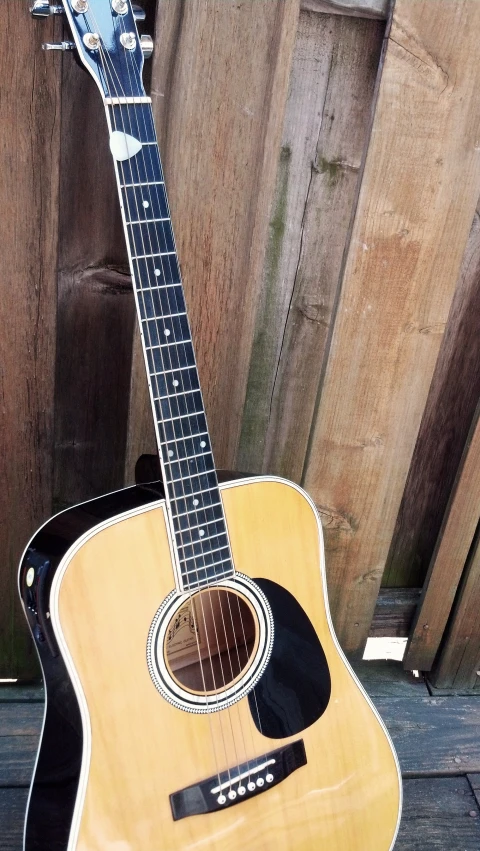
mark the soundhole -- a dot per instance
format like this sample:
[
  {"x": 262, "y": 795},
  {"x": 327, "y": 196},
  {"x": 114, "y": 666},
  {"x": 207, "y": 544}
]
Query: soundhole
[{"x": 211, "y": 640}]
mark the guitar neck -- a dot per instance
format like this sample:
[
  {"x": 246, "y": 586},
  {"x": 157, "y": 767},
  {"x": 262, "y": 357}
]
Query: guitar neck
[{"x": 194, "y": 504}]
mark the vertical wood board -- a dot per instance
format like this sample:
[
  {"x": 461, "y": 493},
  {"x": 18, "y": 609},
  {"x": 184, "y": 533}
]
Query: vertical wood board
[
  {"x": 416, "y": 205},
  {"x": 219, "y": 85},
  {"x": 324, "y": 136},
  {"x": 451, "y": 403},
  {"x": 458, "y": 663},
  {"x": 95, "y": 304},
  {"x": 449, "y": 559},
  {"x": 30, "y": 109}
]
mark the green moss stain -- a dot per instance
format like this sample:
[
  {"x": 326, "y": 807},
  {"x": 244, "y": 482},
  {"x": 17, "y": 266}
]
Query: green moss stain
[
  {"x": 262, "y": 360},
  {"x": 332, "y": 169}
]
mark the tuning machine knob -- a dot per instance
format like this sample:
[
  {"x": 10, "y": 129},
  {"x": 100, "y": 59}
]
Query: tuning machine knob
[
  {"x": 42, "y": 9},
  {"x": 62, "y": 45},
  {"x": 146, "y": 43}
]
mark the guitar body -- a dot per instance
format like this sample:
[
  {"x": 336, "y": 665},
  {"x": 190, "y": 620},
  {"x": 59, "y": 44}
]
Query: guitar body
[{"x": 136, "y": 748}]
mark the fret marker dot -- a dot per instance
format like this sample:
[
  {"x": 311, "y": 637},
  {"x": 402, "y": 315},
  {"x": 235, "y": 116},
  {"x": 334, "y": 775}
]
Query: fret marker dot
[
  {"x": 175, "y": 382},
  {"x": 157, "y": 272},
  {"x": 146, "y": 204},
  {"x": 171, "y": 453},
  {"x": 201, "y": 532},
  {"x": 203, "y": 444},
  {"x": 195, "y": 501},
  {"x": 167, "y": 332}
]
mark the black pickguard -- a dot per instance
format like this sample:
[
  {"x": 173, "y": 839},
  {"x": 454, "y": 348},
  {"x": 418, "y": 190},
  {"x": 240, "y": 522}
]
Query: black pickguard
[{"x": 295, "y": 689}]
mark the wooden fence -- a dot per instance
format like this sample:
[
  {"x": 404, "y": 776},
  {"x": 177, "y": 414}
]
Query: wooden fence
[{"x": 323, "y": 165}]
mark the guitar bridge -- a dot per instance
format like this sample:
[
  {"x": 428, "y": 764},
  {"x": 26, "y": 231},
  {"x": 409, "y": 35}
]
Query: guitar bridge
[{"x": 239, "y": 783}]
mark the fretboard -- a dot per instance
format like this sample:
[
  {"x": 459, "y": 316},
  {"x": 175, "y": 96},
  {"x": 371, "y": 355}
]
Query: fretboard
[{"x": 194, "y": 503}]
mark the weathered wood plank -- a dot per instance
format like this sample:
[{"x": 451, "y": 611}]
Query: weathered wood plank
[
  {"x": 96, "y": 320},
  {"x": 474, "y": 780},
  {"x": 438, "y": 813},
  {"x": 219, "y": 88},
  {"x": 95, "y": 305},
  {"x": 17, "y": 693},
  {"x": 416, "y": 206},
  {"x": 29, "y": 154},
  {"x": 13, "y": 803},
  {"x": 387, "y": 678},
  {"x": 358, "y": 8},
  {"x": 448, "y": 414},
  {"x": 434, "y": 735},
  {"x": 324, "y": 135},
  {"x": 21, "y": 719},
  {"x": 394, "y": 612},
  {"x": 458, "y": 663},
  {"x": 449, "y": 558},
  {"x": 17, "y": 758}
]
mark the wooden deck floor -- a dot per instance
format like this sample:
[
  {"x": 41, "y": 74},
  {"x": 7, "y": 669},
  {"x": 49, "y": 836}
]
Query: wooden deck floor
[{"x": 437, "y": 740}]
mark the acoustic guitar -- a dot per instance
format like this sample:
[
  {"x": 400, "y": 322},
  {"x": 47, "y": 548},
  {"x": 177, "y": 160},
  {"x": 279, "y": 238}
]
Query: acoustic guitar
[{"x": 196, "y": 696}]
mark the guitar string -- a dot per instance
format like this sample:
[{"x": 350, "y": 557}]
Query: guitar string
[
  {"x": 196, "y": 635},
  {"x": 198, "y": 472},
  {"x": 220, "y": 606}
]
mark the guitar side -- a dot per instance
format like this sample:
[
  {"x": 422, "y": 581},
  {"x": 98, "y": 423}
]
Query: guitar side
[{"x": 137, "y": 749}]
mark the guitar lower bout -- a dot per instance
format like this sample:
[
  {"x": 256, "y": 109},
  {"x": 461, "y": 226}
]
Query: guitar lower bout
[{"x": 293, "y": 757}]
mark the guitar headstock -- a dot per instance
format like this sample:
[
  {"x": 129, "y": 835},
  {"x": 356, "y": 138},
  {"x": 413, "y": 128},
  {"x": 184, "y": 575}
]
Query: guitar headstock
[{"x": 106, "y": 37}]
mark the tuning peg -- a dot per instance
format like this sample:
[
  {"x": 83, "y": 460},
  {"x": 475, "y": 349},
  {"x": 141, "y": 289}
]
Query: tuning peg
[
  {"x": 138, "y": 12},
  {"x": 146, "y": 43},
  {"x": 62, "y": 45},
  {"x": 42, "y": 9}
]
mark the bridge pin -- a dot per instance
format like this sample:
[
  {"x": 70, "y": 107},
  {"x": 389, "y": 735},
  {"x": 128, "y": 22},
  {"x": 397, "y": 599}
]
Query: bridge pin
[
  {"x": 269, "y": 778},
  {"x": 232, "y": 794},
  {"x": 260, "y": 781},
  {"x": 221, "y": 799},
  {"x": 251, "y": 786}
]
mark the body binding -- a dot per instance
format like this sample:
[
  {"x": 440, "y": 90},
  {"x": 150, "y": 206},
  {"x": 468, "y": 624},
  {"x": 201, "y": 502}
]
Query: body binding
[{"x": 133, "y": 749}]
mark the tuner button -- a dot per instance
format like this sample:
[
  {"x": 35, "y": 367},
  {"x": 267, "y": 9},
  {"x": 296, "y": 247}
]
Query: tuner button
[
  {"x": 138, "y": 12},
  {"x": 146, "y": 42},
  {"x": 62, "y": 45},
  {"x": 42, "y": 9}
]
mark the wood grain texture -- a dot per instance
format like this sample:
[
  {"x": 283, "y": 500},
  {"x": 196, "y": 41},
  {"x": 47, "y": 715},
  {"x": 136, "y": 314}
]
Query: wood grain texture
[
  {"x": 12, "y": 810},
  {"x": 127, "y": 796},
  {"x": 96, "y": 320},
  {"x": 358, "y": 8},
  {"x": 416, "y": 206},
  {"x": 30, "y": 108},
  {"x": 394, "y": 612},
  {"x": 433, "y": 735},
  {"x": 95, "y": 305},
  {"x": 449, "y": 559},
  {"x": 450, "y": 406},
  {"x": 458, "y": 663},
  {"x": 474, "y": 780},
  {"x": 324, "y": 135},
  {"x": 439, "y": 813},
  {"x": 219, "y": 86}
]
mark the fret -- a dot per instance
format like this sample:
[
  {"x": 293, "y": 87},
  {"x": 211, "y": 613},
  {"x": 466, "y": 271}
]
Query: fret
[
  {"x": 205, "y": 580},
  {"x": 220, "y": 537},
  {"x": 147, "y": 183},
  {"x": 153, "y": 194},
  {"x": 200, "y": 525},
  {"x": 194, "y": 493},
  {"x": 144, "y": 167},
  {"x": 148, "y": 221},
  {"x": 186, "y": 470},
  {"x": 188, "y": 458},
  {"x": 134, "y": 119},
  {"x": 176, "y": 407},
  {"x": 157, "y": 254},
  {"x": 166, "y": 316},
  {"x": 182, "y": 417},
  {"x": 206, "y": 555},
  {"x": 165, "y": 272},
  {"x": 187, "y": 445},
  {"x": 203, "y": 567},
  {"x": 196, "y": 510},
  {"x": 184, "y": 504},
  {"x": 151, "y": 240},
  {"x": 172, "y": 431}
]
